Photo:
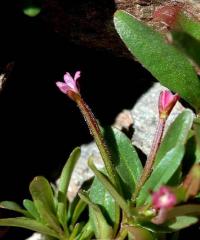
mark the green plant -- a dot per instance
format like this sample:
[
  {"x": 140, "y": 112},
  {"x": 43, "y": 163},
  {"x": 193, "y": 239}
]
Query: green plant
[{"x": 127, "y": 200}]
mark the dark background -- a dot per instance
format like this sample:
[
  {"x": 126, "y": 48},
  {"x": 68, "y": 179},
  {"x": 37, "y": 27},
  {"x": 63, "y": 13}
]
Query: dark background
[{"x": 39, "y": 126}]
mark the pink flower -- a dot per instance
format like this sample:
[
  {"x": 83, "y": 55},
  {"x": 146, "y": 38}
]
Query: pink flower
[
  {"x": 166, "y": 103},
  {"x": 163, "y": 198},
  {"x": 70, "y": 84}
]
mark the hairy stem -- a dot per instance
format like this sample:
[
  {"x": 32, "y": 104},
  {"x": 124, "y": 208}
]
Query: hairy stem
[
  {"x": 98, "y": 137},
  {"x": 151, "y": 158}
]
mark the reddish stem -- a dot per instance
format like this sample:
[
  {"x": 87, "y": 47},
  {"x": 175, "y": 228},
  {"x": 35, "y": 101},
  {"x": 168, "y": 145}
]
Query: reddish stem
[{"x": 148, "y": 168}]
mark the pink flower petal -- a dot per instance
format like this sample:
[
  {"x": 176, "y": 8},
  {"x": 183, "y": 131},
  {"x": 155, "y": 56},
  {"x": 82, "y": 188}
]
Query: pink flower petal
[
  {"x": 163, "y": 198},
  {"x": 69, "y": 86},
  {"x": 166, "y": 103},
  {"x": 62, "y": 86},
  {"x": 70, "y": 82},
  {"x": 68, "y": 78},
  {"x": 77, "y": 75}
]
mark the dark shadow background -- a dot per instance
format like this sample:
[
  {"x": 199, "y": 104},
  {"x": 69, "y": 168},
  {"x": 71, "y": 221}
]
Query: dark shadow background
[{"x": 39, "y": 126}]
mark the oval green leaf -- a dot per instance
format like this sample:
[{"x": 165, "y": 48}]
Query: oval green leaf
[
  {"x": 30, "y": 224},
  {"x": 99, "y": 195},
  {"x": 176, "y": 134},
  {"x": 32, "y": 11},
  {"x": 64, "y": 183},
  {"x": 138, "y": 233},
  {"x": 40, "y": 189},
  {"x": 80, "y": 207},
  {"x": 187, "y": 44},
  {"x": 30, "y": 207},
  {"x": 124, "y": 158},
  {"x": 189, "y": 26},
  {"x": 103, "y": 179},
  {"x": 161, "y": 173},
  {"x": 100, "y": 224},
  {"x": 87, "y": 232},
  {"x": 196, "y": 127},
  {"x": 182, "y": 222},
  {"x": 167, "y": 64},
  {"x": 42, "y": 195},
  {"x": 13, "y": 206}
]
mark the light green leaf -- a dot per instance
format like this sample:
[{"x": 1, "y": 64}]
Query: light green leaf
[
  {"x": 28, "y": 224},
  {"x": 87, "y": 231},
  {"x": 76, "y": 231},
  {"x": 176, "y": 134},
  {"x": 197, "y": 138},
  {"x": 64, "y": 183},
  {"x": 187, "y": 44},
  {"x": 138, "y": 233},
  {"x": 13, "y": 206},
  {"x": 76, "y": 203},
  {"x": 40, "y": 189},
  {"x": 42, "y": 195},
  {"x": 182, "y": 222},
  {"x": 32, "y": 11},
  {"x": 161, "y": 173},
  {"x": 169, "y": 65},
  {"x": 80, "y": 207},
  {"x": 30, "y": 207},
  {"x": 189, "y": 25},
  {"x": 101, "y": 227},
  {"x": 100, "y": 195},
  {"x": 124, "y": 157},
  {"x": 109, "y": 187},
  {"x": 186, "y": 209}
]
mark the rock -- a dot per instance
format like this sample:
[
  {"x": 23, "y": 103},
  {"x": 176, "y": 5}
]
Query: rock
[
  {"x": 36, "y": 236},
  {"x": 89, "y": 23},
  {"x": 144, "y": 115}
]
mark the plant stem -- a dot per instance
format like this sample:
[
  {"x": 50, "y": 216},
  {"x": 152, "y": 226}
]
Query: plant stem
[
  {"x": 98, "y": 137},
  {"x": 122, "y": 234},
  {"x": 151, "y": 158}
]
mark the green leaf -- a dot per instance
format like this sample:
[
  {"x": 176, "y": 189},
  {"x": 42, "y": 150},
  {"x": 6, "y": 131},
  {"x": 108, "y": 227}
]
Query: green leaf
[
  {"x": 169, "y": 65},
  {"x": 13, "y": 206},
  {"x": 32, "y": 11},
  {"x": 40, "y": 189},
  {"x": 28, "y": 224},
  {"x": 189, "y": 26},
  {"x": 42, "y": 195},
  {"x": 124, "y": 157},
  {"x": 30, "y": 207},
  {"x": 161, "y": 174},
  {"x": 155, "y": 228},
  {"x": 101, "y": 227},
  {"x": 197, "y": 138},
  {"x": 182, "y": 222},
  {"x": 47, "y": 217},
  {"x": 109, "y": 187},
  {"x": 72, "y": 205},
  {"x": 76, "y": 230},
  {"x": 187, "y": 44},
  {"x": 138, "y": 233},
  {"x": 186, "y": 209},
  {"x": 32, "y": 8},
  {"x": 176, "y": 134},
  {"x": 64, "y": 183},
  {"x": 101, "y": 196},
  {"x": 87, "y": 231},
  {"x": 80, "y": 207}
]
